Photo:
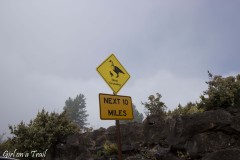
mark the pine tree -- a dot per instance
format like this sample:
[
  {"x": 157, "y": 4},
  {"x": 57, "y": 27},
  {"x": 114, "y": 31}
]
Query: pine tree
[
  {"x": 1, "y": 137},
  {"x": 76, "y": 110}
]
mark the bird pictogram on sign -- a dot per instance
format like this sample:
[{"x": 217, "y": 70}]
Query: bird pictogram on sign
[{"x": 115, "y": 69}]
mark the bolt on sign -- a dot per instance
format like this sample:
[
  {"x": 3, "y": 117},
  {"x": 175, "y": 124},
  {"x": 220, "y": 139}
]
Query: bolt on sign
[
  {"x": 114, "y": 74},
  {"x": 115, "y": 107}
]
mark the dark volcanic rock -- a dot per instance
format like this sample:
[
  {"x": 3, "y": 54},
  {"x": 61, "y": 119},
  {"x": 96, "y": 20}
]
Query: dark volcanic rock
[
  {"x": 154, "y": 130},
  {"x": 196, "y": 134},
  {"x": 170, "y": 156},
  {"x": 206, "y": 121},
  {"x": 99, "y": 136},
  {"x": 98, "y": 133},
  {"x": 131, "y": 135},
  {"x": 76, "y": 148},
  {"x": 187, "y": 126},
  {"x": 207, "y": 142},
  {"x": 228, "y": 154},
  {"x": 235, "y": 123},
  {"x": 211, "y": 135}
]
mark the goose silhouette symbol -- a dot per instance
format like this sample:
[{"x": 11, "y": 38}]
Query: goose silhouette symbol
[{"x": 115, "y": 69}]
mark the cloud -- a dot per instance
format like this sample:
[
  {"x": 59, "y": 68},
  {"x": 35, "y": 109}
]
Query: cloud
[
  {"x": 50, "y": 50},
  {"x": 34, "y": 91},
  {"x": 174, "y": 89}
]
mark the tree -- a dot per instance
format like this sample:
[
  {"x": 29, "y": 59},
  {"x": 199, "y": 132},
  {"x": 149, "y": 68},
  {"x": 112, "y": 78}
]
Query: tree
[
  {"x": 222, "y": 92},
  {"x": 42, "y": 133},
  {"x": 1, "y": 138},
  {"x": 190, "y": 108},
  {"x": 138, "y": 117},
  {"x": 155, "y": 105},
  {"x": 76, "y": 110}
]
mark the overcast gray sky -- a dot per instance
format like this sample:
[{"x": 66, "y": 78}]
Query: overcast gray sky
[{"x": 49, "y": 51}]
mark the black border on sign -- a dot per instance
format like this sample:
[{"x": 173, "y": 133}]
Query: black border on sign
[
  {"x": 114, "y": 118},
  {"x": 104, "y": 78}
]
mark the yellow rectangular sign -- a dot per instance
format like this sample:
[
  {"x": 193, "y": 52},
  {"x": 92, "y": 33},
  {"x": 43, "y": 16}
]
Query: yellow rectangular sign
[{"x": 115, "y": 107}]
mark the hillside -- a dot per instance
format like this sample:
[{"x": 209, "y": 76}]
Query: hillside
[{"x": 211, "y": 135}]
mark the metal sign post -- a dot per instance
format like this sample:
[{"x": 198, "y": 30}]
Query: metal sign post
[
  {"x": 119, "y": 141},
  {"x": 113, "y": 107}
]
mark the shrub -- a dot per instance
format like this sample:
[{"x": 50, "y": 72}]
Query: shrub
[
  {"x": 155, "y": 105},
  {"x": 222, "y": 92},
  {"x": 42, "y": 133},
  {"x": 190, "y": 108},
  {"x": 110, "y": 148}
]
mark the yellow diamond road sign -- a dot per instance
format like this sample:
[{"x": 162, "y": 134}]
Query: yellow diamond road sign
[{"x": 113, "y": 73}]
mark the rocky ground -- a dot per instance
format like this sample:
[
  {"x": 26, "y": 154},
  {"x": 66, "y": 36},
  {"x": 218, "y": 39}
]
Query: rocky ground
[{"x": 211, "y": 135}]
